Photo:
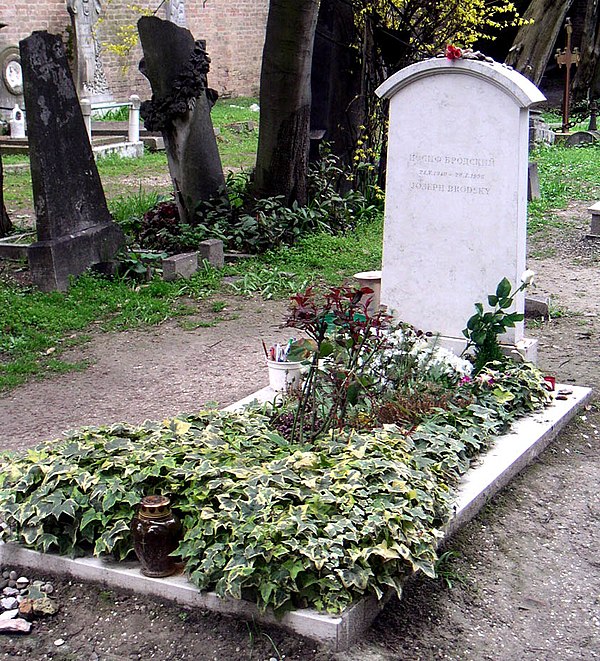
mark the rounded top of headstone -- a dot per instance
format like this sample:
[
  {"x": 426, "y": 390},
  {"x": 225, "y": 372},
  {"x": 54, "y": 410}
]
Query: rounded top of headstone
[{"x": 519, "y": 88}]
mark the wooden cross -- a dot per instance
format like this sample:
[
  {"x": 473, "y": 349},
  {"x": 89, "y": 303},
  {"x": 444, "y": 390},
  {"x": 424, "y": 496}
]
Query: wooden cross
[{"x": 567, "y": 57}]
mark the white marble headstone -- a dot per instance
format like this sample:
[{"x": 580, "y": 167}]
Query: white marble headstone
[{"x": 456, "y": 194}]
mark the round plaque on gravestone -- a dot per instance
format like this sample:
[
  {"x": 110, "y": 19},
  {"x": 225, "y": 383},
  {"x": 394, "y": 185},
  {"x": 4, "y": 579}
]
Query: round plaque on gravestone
[{"x": 12, "y": 74}]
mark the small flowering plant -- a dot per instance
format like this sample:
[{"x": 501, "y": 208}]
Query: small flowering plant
[{"x": 484, "y": 328}]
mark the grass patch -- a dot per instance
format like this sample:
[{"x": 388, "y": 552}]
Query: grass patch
[
  {"x": 566, "y": 173},
  {"x": 38, "y": 327},
  {"x": 15, "y": 159},
  {"x": 228, "y": 111},
  {"x": 238, "y": 148},
  {"x": 317, "y": 257}
]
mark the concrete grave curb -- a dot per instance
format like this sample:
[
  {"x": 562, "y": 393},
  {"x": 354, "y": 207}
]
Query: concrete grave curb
[{"x": 527, "y": 439}]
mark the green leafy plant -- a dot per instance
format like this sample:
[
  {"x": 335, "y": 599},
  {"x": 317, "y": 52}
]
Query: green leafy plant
[
  {"x": 346, "y": 338},
  {"x": 129, "y": 210},
  {"x": 484, "y": 328},
  {"x": 446, "y": 571},
  {"x": 362, "y": 370},
  {"x": 251, "y": 225},
  {"x": 120, "y": 114},
  {"x": 284, "y": 523},
  {"x": 267, "y": 282},
  {"x": 140, "y": 265}
]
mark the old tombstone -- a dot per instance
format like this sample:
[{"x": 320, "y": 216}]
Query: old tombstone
[
  {"x": 581, "y": 138},
  {"x": 11, "y": 78},
  {"x": 595, "y": 222},
  {"x": 177, "y": 68},
  {"x": 74, "y": 226},
  {"x": 456, "y": 195},
  {"x": 175, "y": 12},
  {"x": 533, "y": 183},
  {"x": 90, "y": 79},
  {"x": 540, "y": 133}
]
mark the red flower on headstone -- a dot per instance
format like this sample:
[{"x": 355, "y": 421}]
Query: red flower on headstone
[{"x": 453, "y": 52}]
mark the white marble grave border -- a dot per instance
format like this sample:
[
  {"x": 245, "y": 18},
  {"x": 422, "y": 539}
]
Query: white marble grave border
[{"x": 527, "y": 439}]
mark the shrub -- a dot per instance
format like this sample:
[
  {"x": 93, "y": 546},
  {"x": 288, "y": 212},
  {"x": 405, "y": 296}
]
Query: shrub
[{"x": 247, "y": 224}]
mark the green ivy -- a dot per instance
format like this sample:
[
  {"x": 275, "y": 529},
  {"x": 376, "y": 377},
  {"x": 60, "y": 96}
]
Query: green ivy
[{"x": 287, "y": 525}]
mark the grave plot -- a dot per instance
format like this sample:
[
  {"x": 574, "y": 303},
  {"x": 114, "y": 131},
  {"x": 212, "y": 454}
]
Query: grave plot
[
  {"x": 510, "y": 454},
  {"x": 403, "y": 468}
]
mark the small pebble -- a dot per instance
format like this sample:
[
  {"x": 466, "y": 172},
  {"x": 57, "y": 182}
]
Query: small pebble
[
  {"x": 22, "y": 582},
  {"x": 10, "y": 592},
  {"x": 58, "y": 642},
  {"x": 48, "y": 588},
  {"x": 8, "y": 603},
  {"x": 13, "y": 575}
]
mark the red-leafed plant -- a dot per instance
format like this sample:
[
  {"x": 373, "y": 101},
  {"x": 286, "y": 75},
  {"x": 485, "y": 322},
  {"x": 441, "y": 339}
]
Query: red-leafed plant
[{"x": 346, "y": 338}]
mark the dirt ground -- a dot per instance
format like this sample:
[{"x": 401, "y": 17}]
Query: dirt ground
[{"x": 526, "y": 582}]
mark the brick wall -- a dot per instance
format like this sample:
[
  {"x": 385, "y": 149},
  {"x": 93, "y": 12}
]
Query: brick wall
[{"x": 234, "y": 31}]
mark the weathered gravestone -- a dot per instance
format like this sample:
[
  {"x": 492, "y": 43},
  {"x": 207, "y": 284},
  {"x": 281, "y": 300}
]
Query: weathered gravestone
[
  {"x": 74, "y": 226},
  {"x": 456, "y": 194},
  {"x": 89, "y": 72},
  {"x": 177, "y": 68}
]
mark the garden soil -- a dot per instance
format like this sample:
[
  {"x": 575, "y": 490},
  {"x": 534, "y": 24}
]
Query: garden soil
[{"x": 524, "y": 583}]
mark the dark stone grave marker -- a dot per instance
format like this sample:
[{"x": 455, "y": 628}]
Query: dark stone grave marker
[
  {"x": 177, "y": 67},
  {"x": 74, "y": 226}
]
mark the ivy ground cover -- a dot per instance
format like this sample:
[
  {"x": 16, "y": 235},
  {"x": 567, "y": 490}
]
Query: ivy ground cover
[{"x": 287, "y": 524}]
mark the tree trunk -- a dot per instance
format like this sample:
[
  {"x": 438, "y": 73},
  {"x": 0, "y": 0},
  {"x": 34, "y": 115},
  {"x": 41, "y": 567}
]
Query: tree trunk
[
  {"x": 338, "y": 104},
  {"x": 534, "y": 44},
  {"x": 285, "y": 98},
  {"x": 587, "y": 78},
  {"x": 6, "y": 227}
]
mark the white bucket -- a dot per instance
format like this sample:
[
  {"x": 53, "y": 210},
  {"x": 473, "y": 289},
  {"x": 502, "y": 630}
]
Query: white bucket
[
  {"x": 283, "y": 376},
  {"x": 371, "y": 279}
]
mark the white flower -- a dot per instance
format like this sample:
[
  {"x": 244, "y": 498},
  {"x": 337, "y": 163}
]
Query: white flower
[{"x": 527, "y": 277}]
